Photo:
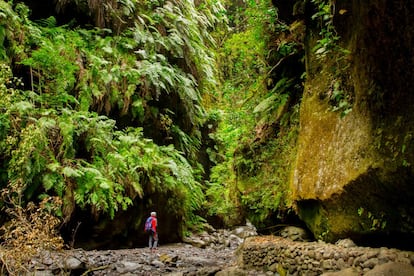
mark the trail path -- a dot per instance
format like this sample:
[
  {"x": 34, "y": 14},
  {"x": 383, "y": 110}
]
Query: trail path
[{"x": 174, "y": 259}]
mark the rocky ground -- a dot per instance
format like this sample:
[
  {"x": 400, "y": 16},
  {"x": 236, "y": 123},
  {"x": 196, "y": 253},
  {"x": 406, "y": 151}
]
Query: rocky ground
[
  {"x": 204, "y": 254},
  {"x": 239, "y": 252},
  {"x": 174, "y": 259}
]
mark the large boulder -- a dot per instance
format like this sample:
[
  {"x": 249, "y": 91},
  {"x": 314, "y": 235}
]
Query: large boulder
[{"x": 354, "y": 170}]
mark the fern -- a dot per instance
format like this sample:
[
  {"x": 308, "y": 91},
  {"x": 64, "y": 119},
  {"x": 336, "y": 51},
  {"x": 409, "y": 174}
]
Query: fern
[
  {"x": 58, "y": 137},
  {"x": 49, "y": 22}
]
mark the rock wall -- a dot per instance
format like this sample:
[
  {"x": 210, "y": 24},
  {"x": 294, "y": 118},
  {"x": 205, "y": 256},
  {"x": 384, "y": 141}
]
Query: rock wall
[
  {"x": 354, "y": 169},
  {"x": 287, "y": 257}
]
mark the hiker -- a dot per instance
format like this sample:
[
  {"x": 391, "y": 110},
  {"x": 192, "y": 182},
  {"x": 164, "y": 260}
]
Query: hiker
[{"x": 151, "y": 229}]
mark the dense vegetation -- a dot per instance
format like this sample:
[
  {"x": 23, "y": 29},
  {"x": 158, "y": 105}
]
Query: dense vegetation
[
  {"x": 102, "y": 116},
  {"x": 101, "y": 113},
  {"x": 261, "y": 84}
]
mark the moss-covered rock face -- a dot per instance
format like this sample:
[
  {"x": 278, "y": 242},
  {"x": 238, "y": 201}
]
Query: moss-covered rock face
[{"x": 353, "y": 174}]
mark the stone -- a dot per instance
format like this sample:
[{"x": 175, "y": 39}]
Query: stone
[
  {"x": 341, "y": 264},
  {"x": 234, "y": 240},
  {"x": 245, "y": 231},
  {"x": 72, "y": 263},
  {"x": 274, "y": 267},
  {"x": 125, "y": 266},
  {"x": 157, "y": 263},
  {"x": 392, "y": 269},
  {"x": 327, "y": 264},
  {"x": 200, "y": 261},
  {"x": 346, "y": 243},
  {"x": 345, "y": 272},
  {"x": 195, "y": 241},
  {"x": 370, "y": 263},
  {"x": 43, "y": 273},
  {"x": 168, "y": 259},
  {"x": 294, "y": 233},
  {"x": 209, "y": 228},
  {"x": 232, "y": 271},
  {"x": 47, "y": 260}
]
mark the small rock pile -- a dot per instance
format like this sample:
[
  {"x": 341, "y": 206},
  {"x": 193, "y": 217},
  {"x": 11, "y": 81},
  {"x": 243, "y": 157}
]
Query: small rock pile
[
  {"x": 287, "y": 257},
  {"x": 221, "y": 238}
]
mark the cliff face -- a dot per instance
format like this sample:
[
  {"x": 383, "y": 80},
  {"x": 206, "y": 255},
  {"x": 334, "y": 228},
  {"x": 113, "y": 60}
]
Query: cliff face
[{"x": 354, "y": 170}]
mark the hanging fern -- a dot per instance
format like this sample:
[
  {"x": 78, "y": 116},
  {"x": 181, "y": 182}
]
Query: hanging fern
[{"x": 59, "y": 132}]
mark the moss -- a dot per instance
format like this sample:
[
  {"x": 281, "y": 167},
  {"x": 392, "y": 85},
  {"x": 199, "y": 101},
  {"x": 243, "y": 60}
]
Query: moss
[
  {"x": 360, "y": 210},
  {"x": 353, "y": 174}
]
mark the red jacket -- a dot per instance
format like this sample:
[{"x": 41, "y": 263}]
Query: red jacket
[{"x": 154, "y": 224}]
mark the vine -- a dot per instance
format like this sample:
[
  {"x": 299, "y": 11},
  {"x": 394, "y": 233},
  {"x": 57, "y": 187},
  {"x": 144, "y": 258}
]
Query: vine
[
  {"x": 329, "y": 37},
  {"x": 328, "y": 46}
]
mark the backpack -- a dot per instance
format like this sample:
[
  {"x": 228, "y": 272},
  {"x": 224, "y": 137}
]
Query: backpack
[{"x": 148, "y": 225}]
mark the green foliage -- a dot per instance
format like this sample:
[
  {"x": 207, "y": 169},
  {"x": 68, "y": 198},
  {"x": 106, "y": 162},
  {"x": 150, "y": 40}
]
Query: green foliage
[
  {"x": 120, "y": 163},
  {"x": 59, "y": 132},
  {"x": 329, "y": 46},
  {"x": 9, "y": 27},
  {"x": 340, "y": 100},
  {"x": 271, "y": 108},
  {"x": 378, "y": 222},
  {"x": 81, "y": 126},
  {"x": 253, "y": 160},
  {"x": 54, "y": 64},
  {"x": 330, "y": 38},
  {"x": 263, "y": 202}
]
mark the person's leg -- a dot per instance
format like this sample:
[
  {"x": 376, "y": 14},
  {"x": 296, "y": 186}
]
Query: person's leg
[
  {"x": 150, "y": 239},
  {"x": 155, "y": 240}
]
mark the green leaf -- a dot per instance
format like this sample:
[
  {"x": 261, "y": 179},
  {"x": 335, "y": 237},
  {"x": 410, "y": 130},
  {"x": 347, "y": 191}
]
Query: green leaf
[
  {"x": 105, "y": 185},
  {"x": 54, "y": 167},
  {"x": 71, "y": 172},
  {"x": 48, "y": 181}
]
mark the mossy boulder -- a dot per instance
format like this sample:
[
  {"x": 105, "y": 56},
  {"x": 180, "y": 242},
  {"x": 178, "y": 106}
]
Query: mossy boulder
[{"x": 354, "y": 170}]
